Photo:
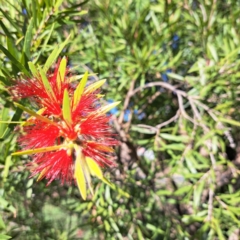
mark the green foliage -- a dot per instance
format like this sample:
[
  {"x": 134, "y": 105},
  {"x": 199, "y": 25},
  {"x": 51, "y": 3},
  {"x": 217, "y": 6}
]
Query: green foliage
[{"x": 174, "y": 65}]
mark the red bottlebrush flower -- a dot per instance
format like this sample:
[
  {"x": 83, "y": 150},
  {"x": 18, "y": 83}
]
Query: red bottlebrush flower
[{"x": 69, "y": 136}]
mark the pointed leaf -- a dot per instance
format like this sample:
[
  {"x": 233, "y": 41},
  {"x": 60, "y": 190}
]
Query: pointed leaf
[
  {"x": 94, "y": 168},
  {"x": 38, "y": 150},
  {"x": 107, "y": 108},
  {"x": 32, "y": 113},
  {"x": 4, "y": 117},
  {"x": 61, "y": 72},
  {"x": 47, "y": 85},
  {"x": 79, "y": 77},
  {"x": 79, "y": 175},
  {"x": 54, "y": 55},
  {"x": 39, "y": 112},
  {"x": 230, "y": 121},
  {"x": 11, "y": 122},
  {"x": 67, "y": 108},
  {"x": 79, "y": 90},
  {"x": 33, "y": 69},
  {"x": 91, "y": 88},
  {"x": 28, "y": 39}
]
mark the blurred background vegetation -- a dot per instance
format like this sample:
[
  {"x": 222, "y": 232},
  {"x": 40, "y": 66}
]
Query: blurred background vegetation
[{"x": 174, "y": 65}]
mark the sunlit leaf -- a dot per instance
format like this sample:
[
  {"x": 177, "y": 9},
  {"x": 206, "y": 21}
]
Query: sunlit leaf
[
  {"x": 38, "y": 150},
  {"x": 94, "y": 86},
  {"x": 107, "y": 108},
  {"x": 32, "y": 113},
  {"x": 33, "y": 69},
  {"x": 79, "y": 175},
  {"x": 55, "y": 53},
  {"x": 61, "y": 72},
  {"x": 28, "y": 39},
  {"x": 67, "y": 115},
  {"x": 47, "y": 85},
  {"x": 79, "y": 90},
  {"x": 94, "y": 168}
]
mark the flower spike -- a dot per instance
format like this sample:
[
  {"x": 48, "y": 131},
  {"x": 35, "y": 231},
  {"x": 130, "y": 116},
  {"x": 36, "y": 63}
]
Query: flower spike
[{"x": 69, "y": 136}]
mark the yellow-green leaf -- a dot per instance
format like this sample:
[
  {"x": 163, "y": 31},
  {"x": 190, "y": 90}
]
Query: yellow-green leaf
[
  {"x": 94, "y": 168},
  {"x": 54, "y": 55},
  {"x": 79, "y": 90},
  {"x": 46, "y": 84},
  {"x": 79, "y": 77},
  {"x": 91, "y": 88},
  {"x": 11, "y": 122},
  {"x": 28, "y": 38},
  {"x": 107, "y": 108},
  {"x": 230, "y": 121},
  {"x": 61, "y": 72},
  {"x": 33, "y": 69},
  {"x": 38, "y": 150},
  {"x": 79, "y": 175},
  {"x": 67, "y": 108},
  {"x": 32, "y": 113},
  {"x": 39, "y": 112}
]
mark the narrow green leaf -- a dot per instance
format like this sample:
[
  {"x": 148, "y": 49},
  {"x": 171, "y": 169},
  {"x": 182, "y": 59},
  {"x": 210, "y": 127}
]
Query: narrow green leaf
[
  {"x": 4, "y": 117},
  {"x": 61, "y": 72},
  {"x": 175, "y": 76},
  {"x": 79, "y": 90},
  {"x": 212, "y": 51},
  {"x": 7, "y": 165},
  {"x": 47, "y": 85},
  {"x": 79, "y": 77},
  {"x": 67, "y": 108},
  {"x": 197, "y": 193},
  {"x": 32, "y": 113},
  {"x": 34, "y": 13},
  {"x": 54, "y": 55},
  {"x": 183, "y": 190},
  {"x": 91, "y": 88},
  {"x": 57, "y": 5},
  {"x": 10, "y": 122},
  {"x": 12, "y": 47},
  {"x": 174, "y": 137},
  {"x": 107, "y": 108},
  {"x": 28, "y": 39},
  {"x": 38, "y": 150},
  {"x": 230, "y": 121},
  {"x": 142, "y": 129},
  {"x": 33, "y": 69}
]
